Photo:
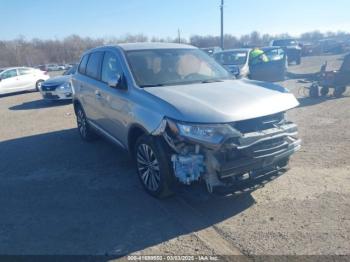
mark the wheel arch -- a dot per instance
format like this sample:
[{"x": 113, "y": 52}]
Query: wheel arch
[
  {"x": 76, "y": 104},
  {"x": 135, "y": 131}
]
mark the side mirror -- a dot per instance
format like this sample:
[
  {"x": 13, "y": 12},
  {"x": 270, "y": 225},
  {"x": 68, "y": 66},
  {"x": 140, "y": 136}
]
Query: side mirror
[{"x": 116, "y": 82}]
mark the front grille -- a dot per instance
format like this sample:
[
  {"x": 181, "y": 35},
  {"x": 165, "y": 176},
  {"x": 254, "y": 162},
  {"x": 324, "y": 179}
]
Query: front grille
[
  {"x": 266, "y": 148},
  {"x": 49, "y": 88},
  {"x": 258, "y": 124}
]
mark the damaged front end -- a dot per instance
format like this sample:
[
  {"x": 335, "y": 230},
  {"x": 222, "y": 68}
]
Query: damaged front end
[{"x": 223, "y": 153}]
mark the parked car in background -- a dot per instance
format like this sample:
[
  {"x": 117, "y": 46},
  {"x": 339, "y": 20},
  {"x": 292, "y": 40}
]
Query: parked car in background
[
  {"x": 291, "y": 47},
  {"x": 62, "y": 67},
  {"x": 59, "y": 87},
  {"x": 15, "y": 79},
  {"x": 310, "y": 49},
  {"x": 331, "y": 46},
  {"x": 52, "y": 67},
  {"x": 212, "y": 50},
  {"x": 271, "y": 65},
  {"x": 182, "y": 116},
  {"x": 235, "y": 61},
  {"x": 41, "y": 67}
]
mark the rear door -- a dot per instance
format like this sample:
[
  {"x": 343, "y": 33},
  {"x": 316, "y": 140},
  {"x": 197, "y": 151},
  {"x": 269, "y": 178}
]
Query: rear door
[
  {"x": 89, "y": 83},
  {"x": 26, "y": 78},
  {"x": 9, "y": 81}
]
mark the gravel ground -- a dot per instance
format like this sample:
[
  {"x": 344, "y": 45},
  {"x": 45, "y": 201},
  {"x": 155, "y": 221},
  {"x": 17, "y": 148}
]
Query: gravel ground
[{"x": 60, "y": 195}]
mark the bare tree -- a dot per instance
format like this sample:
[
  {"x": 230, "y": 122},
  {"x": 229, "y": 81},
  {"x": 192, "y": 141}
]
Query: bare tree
[{"x": 20, "y": 51}]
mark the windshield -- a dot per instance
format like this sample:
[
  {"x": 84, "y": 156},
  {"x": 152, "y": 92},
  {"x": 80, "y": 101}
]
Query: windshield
[
  {"x": 231, "y": 58},
  {"x": 284, "y": 42},
  {"x": 173, "y": 67}
]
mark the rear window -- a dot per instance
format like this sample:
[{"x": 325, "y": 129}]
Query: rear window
[
  {"x": 93, "y": 67},
  {"x": 83, "y": 63},
  {"x": 231, "y": 58}
]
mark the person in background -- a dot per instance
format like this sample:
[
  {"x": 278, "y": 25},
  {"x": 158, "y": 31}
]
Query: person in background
[{"x": 257, "y": 55}]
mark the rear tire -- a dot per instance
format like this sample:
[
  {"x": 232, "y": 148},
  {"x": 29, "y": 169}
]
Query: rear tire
[
  {"x": 154, "y": 166},
  {"x": 313, "y": 91},
  {"x": 84, "y": 129},
  {"x": 38, "y": 85},
  {"x": 339, "y": 91}
]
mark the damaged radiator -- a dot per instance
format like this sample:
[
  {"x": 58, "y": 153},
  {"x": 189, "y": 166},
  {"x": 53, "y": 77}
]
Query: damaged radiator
[{"x": 188, "y": 168}]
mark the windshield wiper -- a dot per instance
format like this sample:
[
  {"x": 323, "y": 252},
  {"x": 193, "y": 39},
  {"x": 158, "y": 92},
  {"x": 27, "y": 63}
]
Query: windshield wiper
[
  {"x": 210, "y": 81},
  {"x": 151, "y": 85}
]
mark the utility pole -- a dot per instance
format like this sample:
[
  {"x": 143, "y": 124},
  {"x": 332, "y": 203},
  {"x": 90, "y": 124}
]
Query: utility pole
[
  {"x": 222, "y": 23},
  {"x": 179, "y": 35}
]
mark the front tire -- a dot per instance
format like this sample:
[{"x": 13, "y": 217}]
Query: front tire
[
  {"x": 84, "y": 129},
  {"x": 324, "y": 91},
  {"x": 154, "y": 166}
]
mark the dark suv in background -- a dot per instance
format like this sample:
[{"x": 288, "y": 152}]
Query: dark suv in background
[{"x": 291, "y": 47}]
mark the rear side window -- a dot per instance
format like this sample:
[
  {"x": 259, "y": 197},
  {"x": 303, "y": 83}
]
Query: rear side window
[
  {"x": 25, "y": 71},
  {"x": 110, "y": 67},
  {"x": 93, "y": 67},
  {"x": 83, "y": 63}
]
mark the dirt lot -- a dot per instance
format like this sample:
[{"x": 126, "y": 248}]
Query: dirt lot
[{"x": 59, "y": 195}]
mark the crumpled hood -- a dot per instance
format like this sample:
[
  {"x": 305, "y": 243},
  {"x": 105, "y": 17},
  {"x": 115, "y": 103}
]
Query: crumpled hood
[
  {"x": 226, "y": 101},
  {"x": 57, "y": 80}
]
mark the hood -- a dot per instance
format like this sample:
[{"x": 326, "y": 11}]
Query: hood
[
  {"x": 227, "y": 101},
  {"x": 57, "y": 80}
]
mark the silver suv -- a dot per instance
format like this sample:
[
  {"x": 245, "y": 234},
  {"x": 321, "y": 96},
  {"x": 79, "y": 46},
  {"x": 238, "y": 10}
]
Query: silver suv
[{"x": 182, "y": 116}]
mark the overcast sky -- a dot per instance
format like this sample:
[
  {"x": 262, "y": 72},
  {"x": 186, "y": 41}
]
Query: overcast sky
[{"x": 104, "y": 18}]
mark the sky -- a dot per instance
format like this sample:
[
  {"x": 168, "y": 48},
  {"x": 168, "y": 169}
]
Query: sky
[{"x": 56, "y": 19}]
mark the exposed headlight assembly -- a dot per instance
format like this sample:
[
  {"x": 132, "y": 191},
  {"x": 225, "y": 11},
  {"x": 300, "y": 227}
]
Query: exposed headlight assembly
[{"x": 214, "y": 134}]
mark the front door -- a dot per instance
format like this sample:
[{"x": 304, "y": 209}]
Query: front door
[
  {"x": 113, "y": 102},
  {"x": 9, "y": 81}
]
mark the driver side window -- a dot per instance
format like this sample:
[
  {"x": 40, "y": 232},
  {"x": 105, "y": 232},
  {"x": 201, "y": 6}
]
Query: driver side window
[
  {"x": 110, "y": 67},
  {"x": 9, "y": 74}
]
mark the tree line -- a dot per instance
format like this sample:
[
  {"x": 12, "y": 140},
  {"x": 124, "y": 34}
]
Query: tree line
[{"x": 23, "y": 52}]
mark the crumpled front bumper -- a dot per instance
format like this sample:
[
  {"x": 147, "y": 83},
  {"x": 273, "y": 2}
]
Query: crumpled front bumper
[
  {"x": 258, "y": 150},
  {"x": 251, "y": 152}
]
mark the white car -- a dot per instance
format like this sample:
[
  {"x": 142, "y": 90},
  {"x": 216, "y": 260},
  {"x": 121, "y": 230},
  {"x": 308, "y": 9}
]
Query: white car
[
  {"x": 17, "y": 79},
  {"x": 235, "y": 61}
]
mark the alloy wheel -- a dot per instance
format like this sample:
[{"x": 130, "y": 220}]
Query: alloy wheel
[
  {"x": 148, "y": 167},
  {"x": 81, "y": 120}
]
